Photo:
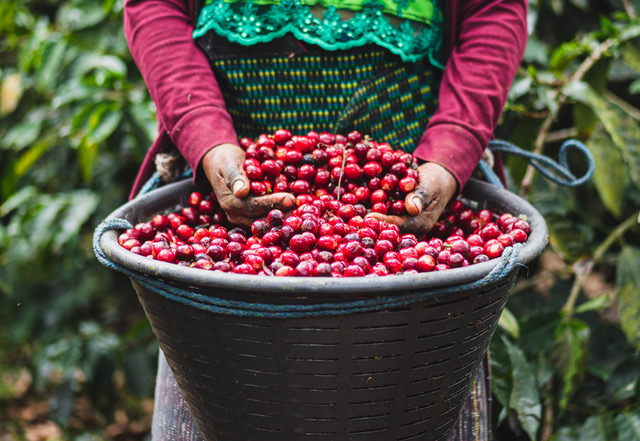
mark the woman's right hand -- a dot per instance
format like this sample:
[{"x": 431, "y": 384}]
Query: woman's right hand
[{"x": 223, "y": 167}]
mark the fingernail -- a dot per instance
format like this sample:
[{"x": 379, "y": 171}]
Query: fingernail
[
  {"x": 418, "y": 202},
  {"x": 288, "y": 202},
  {"x": 237, "y": 186}
]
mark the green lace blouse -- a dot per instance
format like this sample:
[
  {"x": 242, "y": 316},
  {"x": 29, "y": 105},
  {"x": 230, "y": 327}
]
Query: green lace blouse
[{"x": 411, "y": 29}]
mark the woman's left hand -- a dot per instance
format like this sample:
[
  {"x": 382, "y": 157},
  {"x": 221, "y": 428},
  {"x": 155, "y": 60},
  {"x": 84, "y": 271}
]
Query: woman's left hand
[{"x": 425, "y": 204}]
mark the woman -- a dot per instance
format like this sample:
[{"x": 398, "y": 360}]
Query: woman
[{"x": 231, "y": 68}]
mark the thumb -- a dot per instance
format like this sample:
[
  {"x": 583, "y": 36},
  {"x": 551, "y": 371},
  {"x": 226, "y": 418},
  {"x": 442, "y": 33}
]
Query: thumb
[
  {"x": 231, "y": 159},
  {"x": 236, "y": 180},
  {"x": 416, "y": 201}
]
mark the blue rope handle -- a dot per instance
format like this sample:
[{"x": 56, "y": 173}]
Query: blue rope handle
[
  {"x": 554, "y": 171},
  {"x": 506, "y": 264}
]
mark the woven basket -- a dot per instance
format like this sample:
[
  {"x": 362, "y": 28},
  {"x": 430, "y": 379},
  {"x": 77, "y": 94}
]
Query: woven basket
[{"x": 266, "y": 358}]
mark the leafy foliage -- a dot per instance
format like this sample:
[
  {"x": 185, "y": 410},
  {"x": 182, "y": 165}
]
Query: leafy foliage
[
  {"x": 580, "y": 343},
  {"x": 75, "y": 121}
]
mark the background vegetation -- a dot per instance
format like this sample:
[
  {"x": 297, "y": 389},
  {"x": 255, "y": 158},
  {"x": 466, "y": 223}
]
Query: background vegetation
[{"x": 77, "y": 358}]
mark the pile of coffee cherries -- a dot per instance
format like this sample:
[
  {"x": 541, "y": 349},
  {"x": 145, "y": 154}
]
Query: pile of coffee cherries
[
  {"x": 329, "y": 233},
  {"x": 352, "y": 168}
]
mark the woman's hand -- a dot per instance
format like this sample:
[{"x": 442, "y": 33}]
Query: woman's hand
[
  {"x": 223, "y": 167},
  {"x": 426, "y": 203}
]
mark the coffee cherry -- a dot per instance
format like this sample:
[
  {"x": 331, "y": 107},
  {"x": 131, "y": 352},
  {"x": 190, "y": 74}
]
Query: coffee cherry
[{"x": 329, "y": 233}]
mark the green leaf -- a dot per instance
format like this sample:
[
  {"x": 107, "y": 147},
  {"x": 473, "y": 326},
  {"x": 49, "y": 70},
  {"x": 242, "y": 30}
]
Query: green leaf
[
  {"x": 91, "y": 62},
  {"x": 143, "y": 117},
  {"x": 536, "y": 51},
  {"x": 28, "y": 158},
  {"x": 62, "y": 401},
  {"x": 18, "y": 199},
  {"x": 566, "y": 238},
  {"x": 623, "y": 380},
  {"x": 520, "y": 87},
  {"x": 44, "y": 222},
  {"x": 79, "y": 14},
  {"x": 628, "y": 425},
  {"x": 81, "y": 205},
  {"x": 597, "y": 304},
  {"x": 74, "y": 91},
  {"x": 103, "y": 121},
  {"x": 630, "y": 32},
  {"x": 524, "y": 398},
  {"x": 610, "y": 176},
  {"x": 25, "y": 132},
  {"x": 628, "y": 285},
  {"x": 30, "y": 54},
  {"x": 87, "y": 156},
  {"x": 634, "y": 87},
  {"x": 622, "y": 128},
  {"x": 52, "y": 60},
  {"x": 599, "y": 428},
  {"x": 509, "y": 323},
  {"x": 569, "y": 354},
  {"x": 537, "y": 331},
  {"x": 501, "y": 370},
  {"x": 631, "y": 56},
  {"x": 564, "y": 54}
]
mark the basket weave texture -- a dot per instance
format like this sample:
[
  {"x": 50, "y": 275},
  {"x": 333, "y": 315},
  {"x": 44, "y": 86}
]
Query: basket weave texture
[{"x": 397, "y": 374}]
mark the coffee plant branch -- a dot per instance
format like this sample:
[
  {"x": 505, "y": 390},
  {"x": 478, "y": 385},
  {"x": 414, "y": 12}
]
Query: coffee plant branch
[{"x": 546, "y": 124}]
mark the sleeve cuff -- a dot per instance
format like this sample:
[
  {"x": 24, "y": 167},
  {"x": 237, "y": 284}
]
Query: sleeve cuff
[
  {"x": 200, "y": 130},
  {"x": 452, "y": 147}
]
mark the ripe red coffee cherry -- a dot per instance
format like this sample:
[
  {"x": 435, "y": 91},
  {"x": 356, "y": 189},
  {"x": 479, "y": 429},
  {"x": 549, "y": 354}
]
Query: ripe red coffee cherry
[
  {"x": 391, "y": 235},
  {"x": 294, "y": 157},
  {"x": 506, "y": 239},
  {"x": 374, "y": 184},
  {"x": 244, "y": 268},
  {"x": 426, "y": 263},
  {"x": 299, "y": 187},
  {"x": 349, "y": 199},
  {"x": 352, "y": 249},
  {"x": 258, "y": 188},
  {"x": 485, "y": 216},
  {"x": 522, "y": 225},
  {"x": 265, "y": 153},
  {"x": 490, "y": 231},
  {"x": 389, "y": 182},
  {"x": 354, "y": 271},
  {"x": 504, "y": 217},
  {"x": 281, "y": 136},
  {"x": 271, "y": 168},
  {"x": 493, "y": 248},
  {"x": 160, "y": 222},
  {"x": 387, "y": 160},
  {"x": 353, "y": 172},
  {"x": 299, "y": 244},
  {"x": 378, "y": 196},
  {"x": 397, "y": 208},
  {"x": 166, "y": 255},
  {"x": 519, "y": 236},
  {"x": 380, "y": 207},
  {"x": 259, "y": 228},
  {"x": 407, "y": 184},
  {"x": 304, "y": 145},
  {"x": 195, "y": 198},
  {"x": 184, "y": 231}
]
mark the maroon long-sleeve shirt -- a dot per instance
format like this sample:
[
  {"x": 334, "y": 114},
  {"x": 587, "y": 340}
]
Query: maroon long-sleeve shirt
[{"x": 487, "y": 40}]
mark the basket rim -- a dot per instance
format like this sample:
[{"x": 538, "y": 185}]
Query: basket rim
[{"x": 170, "y": 195}]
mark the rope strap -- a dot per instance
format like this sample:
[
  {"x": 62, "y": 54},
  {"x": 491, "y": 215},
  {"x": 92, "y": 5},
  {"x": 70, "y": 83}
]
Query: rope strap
[
  {"x": 555, "y": 172},
  {"x": 505, "y": 266}
]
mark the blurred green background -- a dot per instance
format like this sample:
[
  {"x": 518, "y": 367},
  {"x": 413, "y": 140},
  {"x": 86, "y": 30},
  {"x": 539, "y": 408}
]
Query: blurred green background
[{"x": 77, "y": 357}]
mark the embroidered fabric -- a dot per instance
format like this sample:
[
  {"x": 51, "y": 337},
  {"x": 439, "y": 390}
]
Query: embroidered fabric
[{"x": 401, "y": 31}]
